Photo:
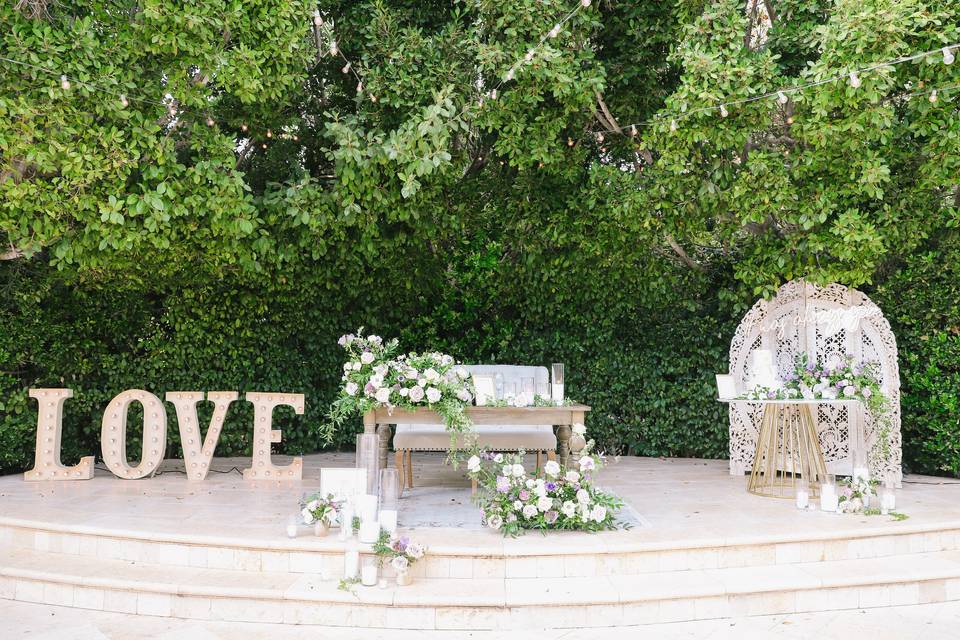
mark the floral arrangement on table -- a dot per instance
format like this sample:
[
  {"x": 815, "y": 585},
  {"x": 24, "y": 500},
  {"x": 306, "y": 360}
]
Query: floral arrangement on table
[
  {"x": 563, "y": 499},
  {"x": 399, "y": 551},
  {"x": 320, "y": 509},
  {"x": 840, "y": 378},
  {"x": 375, "y": 375}
]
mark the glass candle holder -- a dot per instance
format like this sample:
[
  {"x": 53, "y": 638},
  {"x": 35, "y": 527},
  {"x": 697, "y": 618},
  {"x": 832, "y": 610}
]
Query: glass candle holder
[
  {"x": 389, "y": 488},
  {"x": 368, "y": 457},
  {"x": 888, "y": 496},
  {"x": 292, "y": 526},
  {"x": 828, "y": 494},
  {"x": 543, "y": 390},
  {"x": 556, "y": 379},
  {"x": 803, "y": 496},
  {"x": 368, "y": 574}
]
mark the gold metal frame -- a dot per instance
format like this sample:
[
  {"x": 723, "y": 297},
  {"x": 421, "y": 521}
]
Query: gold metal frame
[{"x": 788, "y": 453}]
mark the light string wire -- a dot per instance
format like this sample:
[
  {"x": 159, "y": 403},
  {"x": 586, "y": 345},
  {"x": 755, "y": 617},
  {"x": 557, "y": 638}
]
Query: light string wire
[{"x": 852, "y": 74}]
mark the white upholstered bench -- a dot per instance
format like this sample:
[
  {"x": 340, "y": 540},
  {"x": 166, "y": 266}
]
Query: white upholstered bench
[{"x": 500, "y": 437}]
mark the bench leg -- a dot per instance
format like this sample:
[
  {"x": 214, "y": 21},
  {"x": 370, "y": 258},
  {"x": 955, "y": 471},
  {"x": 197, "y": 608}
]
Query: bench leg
[
  {"x": 473, "y": 486},
  {"x": 398, "y": 463},
  {"x": 539, "y": 461},
  {"x": 410, "y": 469}
]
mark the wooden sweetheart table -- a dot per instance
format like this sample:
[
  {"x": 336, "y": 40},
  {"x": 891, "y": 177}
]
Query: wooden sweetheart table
[{"x": 381, "y": 421}]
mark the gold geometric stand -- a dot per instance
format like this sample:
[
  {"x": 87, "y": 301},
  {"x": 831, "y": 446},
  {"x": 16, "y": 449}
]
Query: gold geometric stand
[{"x": 788, "y": 453}]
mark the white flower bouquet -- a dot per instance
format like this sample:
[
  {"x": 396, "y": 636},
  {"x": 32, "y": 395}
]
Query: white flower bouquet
[
  {"x": 375, "y": 375},
  {"x": 399, "y": 551},
  {"x": 563, "y": 499},
  {"x": 323, "y": 509}
]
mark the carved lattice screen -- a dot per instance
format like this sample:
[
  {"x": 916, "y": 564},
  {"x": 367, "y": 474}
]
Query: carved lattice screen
[{"x": 820, "y": 321}]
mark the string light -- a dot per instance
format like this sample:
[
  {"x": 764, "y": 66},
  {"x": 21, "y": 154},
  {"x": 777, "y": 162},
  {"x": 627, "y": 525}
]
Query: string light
[
  {"x": 782, "y": 97},
  {"x": 209, "y": 121},
  {"x": 723, "y": 111},
  {"x": 933, "y": 96},
  {"x": 64, "y": 83},
  {"x": 244, "y": 127},
  {"x": 633, "y": 130},
  {"x": 673, "y": 125},
  {"x": 948, "y": 56},
  {"x": 346, "y": 68},
  {"x": 569, "y": 142},
  {"x": 510, "y": 75},
  {"x": 317, "y": 18},
  {"x": 269, "y": 133},
  {"x": 123, "y": 100},
  {"x": 555, "y": 31},
  {"x": 854, "y": 80},
  {"x": 584, "y": 3},
  {"x": 334, "y": 49}
]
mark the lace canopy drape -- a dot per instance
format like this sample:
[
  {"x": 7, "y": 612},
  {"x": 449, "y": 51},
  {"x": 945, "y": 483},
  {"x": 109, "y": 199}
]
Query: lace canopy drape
[{"x": 821, "y": 322}]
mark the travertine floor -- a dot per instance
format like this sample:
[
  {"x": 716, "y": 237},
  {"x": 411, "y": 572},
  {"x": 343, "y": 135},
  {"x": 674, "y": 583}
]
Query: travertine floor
[
  {"x": 674, "y": 502},
  {"x": 919, "y": 622}
]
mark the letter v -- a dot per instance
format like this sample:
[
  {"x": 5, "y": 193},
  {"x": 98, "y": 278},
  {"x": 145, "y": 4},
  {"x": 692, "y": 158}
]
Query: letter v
[{"x": 196, "y": 460}]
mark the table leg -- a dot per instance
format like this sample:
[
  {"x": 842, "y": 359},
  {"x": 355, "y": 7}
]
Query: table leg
[
  {"x": 563, "y": 443},
  {"x": 384, "y": 431},
  {"x": 369, "y": 422}
]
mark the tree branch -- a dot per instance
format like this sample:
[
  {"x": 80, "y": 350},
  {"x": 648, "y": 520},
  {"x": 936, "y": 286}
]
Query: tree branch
[
  {"x": 11, "y": 254},
  {"x": 611, "y": 123},
  {"x": 684, "y": 256}
]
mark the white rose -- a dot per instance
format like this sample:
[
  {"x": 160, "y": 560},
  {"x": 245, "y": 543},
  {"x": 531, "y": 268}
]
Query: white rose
[
  {"x": 507, "y": 470},
  {"x": 307, "y": 516},
  {"x": 867, "y": 392},
  {"x": 462, "y": 373},
  {"x": 529, "y": 511},
  {"x": 347, "y": 366},
  {"x": 587, "y": 464},
  {"x": 568, "y": 509},
  {"x": 415, "y": 550},
  {"x": 494, "y": 522},
  {"x": 517, "y": 505},
  {"x": 552, "y": 469},
  {"x": 404, "y": 392},
  {"x": 572, "y": 477},
  {"x": 544, "y": 504},
  {"x": 366, "y": 357},
  {"x": 473, "y": 464},
  {"x": 422, "y": 382},
  {"x": 431, "y": 374},
  {"x": 464, "y": 396},
  {"x": 356, "y": 365},
  {"x": 579, "y": 429},
  {"x": 582, "y": 496},
  {"x": 400, "y": 564},
  {"x": 446, "y": 360},
  {"x": 433, "y": 395},
  {"x": 850, "y": 391},
  {"x": 518, "y": 470},
  {"x": 383, "y": 395},
  {"x": 416, "y": 394},
  {"x": 498, "y": 458},
  {"x": 374, "y": 339},
  {"x": 351, "y": 388},
  {"x": 376, "y": 381},
  {"x": 599, "y": 513},
  {"x": 530, "y": 484}
]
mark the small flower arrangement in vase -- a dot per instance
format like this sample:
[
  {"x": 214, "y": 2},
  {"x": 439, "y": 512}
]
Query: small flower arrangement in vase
[
  {"x": 320, "y": 511},
  {"x": 400, "y": 553},
  {"x": 855, "y": 495}
]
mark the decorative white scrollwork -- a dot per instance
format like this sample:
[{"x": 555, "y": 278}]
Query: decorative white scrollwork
[{"x": 818, "y": 321}]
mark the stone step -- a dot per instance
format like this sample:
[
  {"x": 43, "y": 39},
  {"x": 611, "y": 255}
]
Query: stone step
[
  {"x": 477, "y": 554},
  {"x": 149, "y": 588}
]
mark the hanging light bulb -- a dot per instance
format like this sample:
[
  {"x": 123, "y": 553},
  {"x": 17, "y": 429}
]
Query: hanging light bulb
[
  {"x": 510, "y": 74},
  {"x": 633, "y": 130},
  {"x": 493, "y": 94},
  {"x": 373, "y": 98},
  {"x": 948, "y": 56},
  {"x": 209, "y": 121},
  {"x": 555, "y": 31},
  {"x": 933, "y": 96},
  {"x": 529, "y": 56},
  {"x": 123, "y": 100},
  {"x": 64, "y": 83},
  {"x": 360, "y": 87},
  {"x": 673, "y": 125},
  {"x": 296, "y": 138},
  {"x": 346, "y": 68},
  {"x": 599, "y": 137},
  {"x": 782, "y": 97},
  {"x": 317, "y": 19},
  {"x": 569, "y": 142},
  {"x": 269, "y": 133},
  {"x": 244, "y": 127},
  {"x": 723, "y": 111},
  {"x": 854, "y": 79},
  {"x": 172, "y": 110},
  {"x": 790, "y": 120},
  {"x": 264, "y": 145},
  {"x": 584, "y": 3},
  {"x": 334, "y": 50}
]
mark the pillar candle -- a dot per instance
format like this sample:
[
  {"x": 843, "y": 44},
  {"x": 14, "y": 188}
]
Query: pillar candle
[
  {"x": 388, "y": 520},
  {"x": 351, "y": 564},
  {"x": 369, "y": 531},
  {"x": 369, "y": 573},
  {"x": 367, "y": 507},
  {"x": 828, "y": 497},
  {"x": 803, "y": 498}
]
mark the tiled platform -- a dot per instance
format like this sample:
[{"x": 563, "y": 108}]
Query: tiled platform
[{"x": 703, "y": 548}]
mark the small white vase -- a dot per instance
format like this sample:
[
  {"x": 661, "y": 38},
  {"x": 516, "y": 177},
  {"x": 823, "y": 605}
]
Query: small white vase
[{"x": 404, "y": 579}]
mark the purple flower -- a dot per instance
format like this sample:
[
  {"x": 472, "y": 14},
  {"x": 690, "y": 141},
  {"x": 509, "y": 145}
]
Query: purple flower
[
  {"x": 551, "y": 486},
  {"x": 524, "y": 495},
  {"x": 811, "y": 367},
  {"x": 771, "y": 394},
  {"x": 369, "y": 389},
  {"x": 503, "y": 484},
  {"x": 550, "y": 517}
]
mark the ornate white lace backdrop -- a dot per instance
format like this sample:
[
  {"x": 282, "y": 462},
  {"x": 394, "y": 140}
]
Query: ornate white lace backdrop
[{"x": 821, "y": 322}]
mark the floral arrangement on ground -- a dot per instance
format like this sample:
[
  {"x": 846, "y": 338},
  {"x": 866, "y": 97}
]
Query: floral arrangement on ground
[
  {"x": 512, "y": 501},
  {"x": 375, "y": 375},
  {"x": 323, "y": 509},
  {"x": 399, "y": 551},
  {"x": 839, "y": 378}
]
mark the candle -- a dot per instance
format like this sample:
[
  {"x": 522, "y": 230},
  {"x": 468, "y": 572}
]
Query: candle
[
  {"x": 369, "y": 531},
  {"x": 803, "y": 498},
  {"x": 367, "y": 507},
  {"x": 369, "y": 573},
  {"x": 828, "y": 497},
  {"x": 888, "y": 499},
  {"x": 388, "y": 520},
  {"x": 351, "y": 564},
  {"x": 291, "y": 531}
]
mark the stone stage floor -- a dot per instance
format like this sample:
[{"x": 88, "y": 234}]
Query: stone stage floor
[{"x": 672, "y": 503}]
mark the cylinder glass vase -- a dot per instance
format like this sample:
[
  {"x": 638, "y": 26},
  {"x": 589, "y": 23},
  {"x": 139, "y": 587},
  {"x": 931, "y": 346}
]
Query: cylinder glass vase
[{"x": 368, "y": 457}]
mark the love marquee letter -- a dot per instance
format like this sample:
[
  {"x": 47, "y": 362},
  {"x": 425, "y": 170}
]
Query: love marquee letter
[
  {"x": 47, "y": 465},
  {"x": 113, "y": 434},
  {"x": 264, "y": 434},
  {"x": 196, "y": 460}
]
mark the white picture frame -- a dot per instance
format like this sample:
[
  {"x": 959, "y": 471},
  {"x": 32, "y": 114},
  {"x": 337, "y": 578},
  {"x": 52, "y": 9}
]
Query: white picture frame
[
  {"x": 485, "y": 389},
  {"x": 726, "y": 386}
]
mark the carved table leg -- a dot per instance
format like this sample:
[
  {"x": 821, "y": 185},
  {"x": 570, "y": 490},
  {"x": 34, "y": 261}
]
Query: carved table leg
[
  {"x": 384, "y": 432},
  {"x": 369, "y": 422},
  {"x": 563, "y": 443}
]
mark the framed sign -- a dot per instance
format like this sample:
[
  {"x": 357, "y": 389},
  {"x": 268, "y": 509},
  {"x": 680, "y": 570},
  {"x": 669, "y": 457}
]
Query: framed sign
[{"x": 485, "y": 389}]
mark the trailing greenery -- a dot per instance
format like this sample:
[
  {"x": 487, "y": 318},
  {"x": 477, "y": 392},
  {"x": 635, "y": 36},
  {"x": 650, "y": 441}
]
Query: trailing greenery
[{"x": 154, "y": 250}]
